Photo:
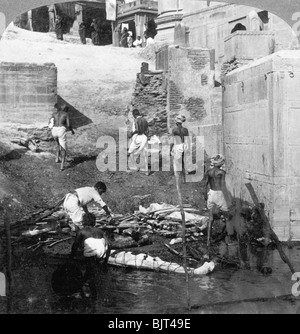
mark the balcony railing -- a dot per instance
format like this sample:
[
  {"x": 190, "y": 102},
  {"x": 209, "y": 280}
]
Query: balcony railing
[{"x": 138, "y": 4}]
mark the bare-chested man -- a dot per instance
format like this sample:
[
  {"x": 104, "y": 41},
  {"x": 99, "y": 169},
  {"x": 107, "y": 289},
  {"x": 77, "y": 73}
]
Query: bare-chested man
[
  {"x": 217, "y": 197},
  {"x": 180, "y": 146},
  {"x": 61, "y": 124}
]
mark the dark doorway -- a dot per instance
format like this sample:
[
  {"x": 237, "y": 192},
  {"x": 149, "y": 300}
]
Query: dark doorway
[
  {"x": 90, "y": 13},
  {"x": 131, "y": 26},
  {"x": 238, "y": 26}
]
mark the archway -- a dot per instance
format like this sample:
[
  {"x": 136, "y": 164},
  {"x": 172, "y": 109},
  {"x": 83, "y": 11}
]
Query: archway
[
  {"x": 2, "y": 24},
  {"x": 289, "y": 13}
]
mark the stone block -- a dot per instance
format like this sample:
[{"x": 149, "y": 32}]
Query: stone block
[
  {"x": 262, "y": 141},
  {"x": 248, "y": 45},
  {"x": 27, "y": 92}
]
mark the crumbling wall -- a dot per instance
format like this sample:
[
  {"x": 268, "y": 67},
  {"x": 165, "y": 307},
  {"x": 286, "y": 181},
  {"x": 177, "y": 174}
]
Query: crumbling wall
[
  {"x": 192, "y": 93},
  {"x": 27, "y": 92},
  {"x": 262, "y": 141},
  {"x": 150, "y": 97}
]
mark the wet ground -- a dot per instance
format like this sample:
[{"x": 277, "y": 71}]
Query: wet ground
[
  {"x": 123, "y": 291},
  {"x": 34, "y": 182}
]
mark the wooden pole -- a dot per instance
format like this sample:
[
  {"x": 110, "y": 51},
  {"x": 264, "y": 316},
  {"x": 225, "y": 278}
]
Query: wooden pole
[
  {"x": 9, "y": 261},
  {"x": 183, "y": 239},
  {"x": 268, "y": 228}
]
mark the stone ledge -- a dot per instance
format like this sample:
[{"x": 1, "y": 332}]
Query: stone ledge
[{"x": 249, "y": 33}]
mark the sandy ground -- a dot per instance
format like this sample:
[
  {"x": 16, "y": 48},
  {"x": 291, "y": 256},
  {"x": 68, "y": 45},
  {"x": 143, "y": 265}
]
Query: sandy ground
[{"x": 98, "y": 81}]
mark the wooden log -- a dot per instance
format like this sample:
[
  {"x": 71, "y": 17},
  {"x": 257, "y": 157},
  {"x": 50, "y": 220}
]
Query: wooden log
[
  {"x": 59, "y": 241},
  {"x": 289, "y": 298},
  {"x": 9, "y": 277},
  {"x": 183, "y": 239},
  {"x": 268, "y": 228},
  {"x": 174, "y": 251},
  {"x": 196, "y": 255},
  {"x": 28, "y": 221}
]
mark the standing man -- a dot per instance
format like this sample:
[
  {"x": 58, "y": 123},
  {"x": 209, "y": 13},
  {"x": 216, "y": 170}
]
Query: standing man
[
  {"x": 180, "y": 145},
  {"x": 124, "y": 38},
  {"x": 95, "y": 32},
  {"x": 138, "y": 146},
  {"x": 129, "y": 39},
  {"x": 75, "y": 204},
  {"x": 82, "y": 32},
  {"x": 218, "y": 197},
  {"x": 138, "y": 42},
  {"x": 60, "y": 124},
  {"x": 59, "y": 27}
]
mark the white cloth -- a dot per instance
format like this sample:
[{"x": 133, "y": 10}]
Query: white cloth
[
  {"x": 177, "y": 153},
  {"x": 138, "y": 144},
  {"x": 89, "y": 194},
  {"x": 60, "y": 133},
  {"x": 73, "y": 208},
  {"x": 73, "y": 204},
  {"x": 138, "y": 43},
  {"x": 95, "y": 247},
  {"x": 51, "y": 123},
  {"x": 150, "y": 40},
  {"x": 179, "y": 149},
  {"x": 216, "y": 200}
]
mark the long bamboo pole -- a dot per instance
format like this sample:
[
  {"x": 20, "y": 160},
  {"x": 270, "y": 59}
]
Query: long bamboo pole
[
  {"x": 183, "y": 240},
  {"x": 9, "y": 261}
]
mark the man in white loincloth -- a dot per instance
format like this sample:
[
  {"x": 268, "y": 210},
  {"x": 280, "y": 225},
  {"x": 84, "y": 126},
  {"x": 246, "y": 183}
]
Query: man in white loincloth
[
  {"x": 180, "y": 146},
  {"x": 218, "y": 197},
  {"x": 139, "y": 143},
  {"x": 59, "y": 124},
  {"x": 75, "y": 204}
]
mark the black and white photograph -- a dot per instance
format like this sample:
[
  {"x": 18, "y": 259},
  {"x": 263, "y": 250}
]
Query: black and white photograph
[{"x": 149, "y": 159}]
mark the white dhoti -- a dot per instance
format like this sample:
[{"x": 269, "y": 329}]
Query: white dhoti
[
  {"x": 73, "y": 209},
  {"x": 60, "y": 133},
  {"x": 216, "y": 200},
  {"x": 138, "y": 144},
  {"x": 95, "y": 247},
  {"x": 139, "y": 147},
  {"x": 177, "y": 153}
]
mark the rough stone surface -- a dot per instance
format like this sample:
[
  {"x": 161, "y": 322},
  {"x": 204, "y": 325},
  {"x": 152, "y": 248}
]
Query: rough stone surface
[
  {"x": 150, "y": 97},
  {"x": 27, "y": 91}
]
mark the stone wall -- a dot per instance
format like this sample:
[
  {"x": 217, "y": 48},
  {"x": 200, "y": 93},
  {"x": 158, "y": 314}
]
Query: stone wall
[
  {"x": 209, "y": 26},
  {"x": 192, "y": 93},
  {"x": 261, "y": 136},
  {"x": 249, "y": 45},
  {"x": 150, "y": 97},
  {"x": 27, "y": 92}
]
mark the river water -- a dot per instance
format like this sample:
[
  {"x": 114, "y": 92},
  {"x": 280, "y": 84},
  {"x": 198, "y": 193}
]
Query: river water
[{"x": 123, "y": 291}]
